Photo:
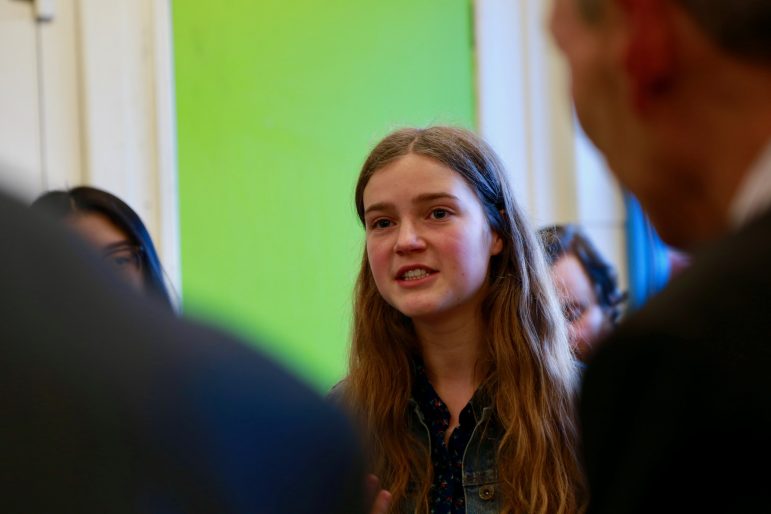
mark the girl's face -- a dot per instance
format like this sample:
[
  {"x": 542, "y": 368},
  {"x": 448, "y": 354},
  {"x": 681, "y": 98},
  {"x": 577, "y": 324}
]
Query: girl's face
[
  {"x": 114, "y": 245},
  {"x": 428, "y": 241},
  {"x": 587, "y": 321}
]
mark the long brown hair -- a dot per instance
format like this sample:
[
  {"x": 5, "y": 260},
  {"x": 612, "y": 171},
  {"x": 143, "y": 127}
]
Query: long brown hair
[{"x": 531, "y": 377}]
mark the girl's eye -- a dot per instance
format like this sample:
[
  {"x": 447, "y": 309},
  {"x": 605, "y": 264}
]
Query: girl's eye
[
  {"x": 440, "y": 214},
  {"x": 381, "y": 223}
]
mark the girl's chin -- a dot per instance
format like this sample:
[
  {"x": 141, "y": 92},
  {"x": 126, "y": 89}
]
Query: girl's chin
[
  {"x": 414, "y": 311},
  {"x": 422, "y": 313}
]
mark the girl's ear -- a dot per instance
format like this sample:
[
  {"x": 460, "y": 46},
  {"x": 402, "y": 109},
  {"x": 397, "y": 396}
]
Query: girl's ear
[{"x": 496, "y": 244}]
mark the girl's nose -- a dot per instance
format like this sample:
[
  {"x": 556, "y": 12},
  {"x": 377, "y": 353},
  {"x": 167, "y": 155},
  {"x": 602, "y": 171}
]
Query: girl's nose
[{"x": 409, "y": 239}]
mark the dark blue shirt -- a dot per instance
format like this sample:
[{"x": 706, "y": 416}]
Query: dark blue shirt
[{"x": 446, "y": 494}]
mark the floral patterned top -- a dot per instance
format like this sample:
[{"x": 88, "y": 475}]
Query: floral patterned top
[{"x": 446, "y": 495}]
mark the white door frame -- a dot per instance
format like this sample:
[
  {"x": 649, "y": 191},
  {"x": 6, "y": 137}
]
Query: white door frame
[{"x": 109, "y": 112}]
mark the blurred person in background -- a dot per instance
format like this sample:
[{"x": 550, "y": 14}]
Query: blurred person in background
[
  {"x": 586, "y": 283},
  {"x": 113, "y": 228}
]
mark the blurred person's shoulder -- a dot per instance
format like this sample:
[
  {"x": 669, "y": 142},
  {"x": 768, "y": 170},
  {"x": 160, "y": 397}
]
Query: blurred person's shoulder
[{"x": 712, "y": 316}]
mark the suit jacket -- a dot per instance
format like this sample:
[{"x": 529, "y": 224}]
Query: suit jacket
[
  {"x": 676, "y": 405},
  {"x": 108, "y": 403}
]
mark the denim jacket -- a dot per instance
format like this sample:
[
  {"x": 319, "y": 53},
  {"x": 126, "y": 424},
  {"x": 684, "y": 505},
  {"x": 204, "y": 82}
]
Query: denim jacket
[{"x": 480, "y": 466}]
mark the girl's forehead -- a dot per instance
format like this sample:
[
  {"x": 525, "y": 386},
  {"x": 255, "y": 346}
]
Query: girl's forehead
[{"x": 412, "y": 176}]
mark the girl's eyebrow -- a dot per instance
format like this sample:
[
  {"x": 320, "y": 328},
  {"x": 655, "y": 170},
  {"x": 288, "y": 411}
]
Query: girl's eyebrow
[
  {"x": 425, "y": 197},
  {"x": 380, "y": 206},
  {"x": 428, "y": 197}
]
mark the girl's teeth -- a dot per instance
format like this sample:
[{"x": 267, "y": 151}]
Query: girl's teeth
[{"x": 415, "y": 274}]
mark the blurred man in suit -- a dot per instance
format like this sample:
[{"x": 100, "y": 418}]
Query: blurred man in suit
[
  {"x": 676, "y": 406},
  {"x": 111, "y": 404}
]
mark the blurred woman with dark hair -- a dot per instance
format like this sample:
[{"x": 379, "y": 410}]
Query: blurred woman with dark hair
[{"x": 108, "y": 223}]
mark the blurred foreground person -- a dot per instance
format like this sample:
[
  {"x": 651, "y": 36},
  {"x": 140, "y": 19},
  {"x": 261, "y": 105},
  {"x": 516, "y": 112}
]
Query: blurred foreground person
[
  {"x": 586, "y": 283},
  {"x": 111, "y": 404},
  {"x": 112, "y": 227},
  {"x": 676, "y": 407}
]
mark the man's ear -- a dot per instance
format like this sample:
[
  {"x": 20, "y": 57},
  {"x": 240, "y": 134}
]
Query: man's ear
[{"x": 650, "y": 54}]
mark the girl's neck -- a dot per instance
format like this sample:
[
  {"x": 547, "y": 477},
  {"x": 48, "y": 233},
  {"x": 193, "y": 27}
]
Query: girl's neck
[
  {"x": 451, "y": 354},
  {"x": 451, "y": 351}
]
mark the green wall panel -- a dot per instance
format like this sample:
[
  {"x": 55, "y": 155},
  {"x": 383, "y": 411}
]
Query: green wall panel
[{"x": 278, "y": 103}]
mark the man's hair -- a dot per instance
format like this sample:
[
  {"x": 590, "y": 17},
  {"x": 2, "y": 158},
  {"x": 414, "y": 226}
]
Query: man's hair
[{"x": 742, "y": 27}]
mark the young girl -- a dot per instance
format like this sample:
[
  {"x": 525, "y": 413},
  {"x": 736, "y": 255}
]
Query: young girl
[{"x": 460, "y": 369}]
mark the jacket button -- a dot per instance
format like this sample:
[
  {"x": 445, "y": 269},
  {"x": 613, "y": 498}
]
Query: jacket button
[{"x": 486, "y": 492}]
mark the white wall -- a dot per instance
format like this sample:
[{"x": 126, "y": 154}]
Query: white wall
[
  {"x": 87, "y": 98},
  {"x": 20, "y": 146},
  {"x": 128, "y": 114},
  {"x": 526, "y": 114}
]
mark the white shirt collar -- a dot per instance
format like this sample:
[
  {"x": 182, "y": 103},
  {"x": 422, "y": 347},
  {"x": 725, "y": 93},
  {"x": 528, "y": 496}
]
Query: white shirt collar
[{"x": 753, "y": 196}]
